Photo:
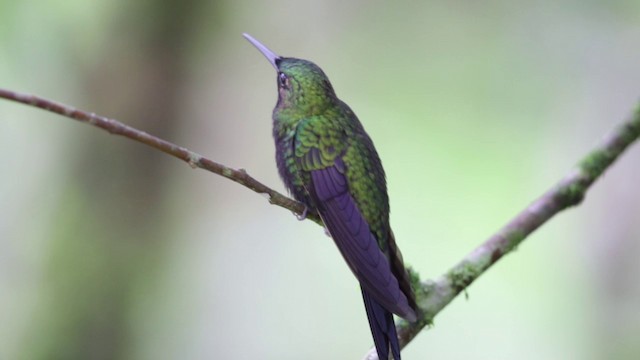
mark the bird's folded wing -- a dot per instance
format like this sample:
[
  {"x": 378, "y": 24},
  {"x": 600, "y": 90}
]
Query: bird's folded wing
[{"x": 352, "y": 235}]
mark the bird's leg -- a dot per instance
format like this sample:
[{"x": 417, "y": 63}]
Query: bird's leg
[
  {"x": 304, "y": 213},
  {"x": 303, "y": 216}
]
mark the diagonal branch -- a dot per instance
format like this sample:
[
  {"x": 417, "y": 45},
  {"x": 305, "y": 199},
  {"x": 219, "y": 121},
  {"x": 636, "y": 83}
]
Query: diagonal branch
[
  {"x": 194, "y": 159},
  {"x": 432, "y": 295}
]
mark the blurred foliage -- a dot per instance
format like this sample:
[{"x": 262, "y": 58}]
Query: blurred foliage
[{"x": 110, "y": 250}]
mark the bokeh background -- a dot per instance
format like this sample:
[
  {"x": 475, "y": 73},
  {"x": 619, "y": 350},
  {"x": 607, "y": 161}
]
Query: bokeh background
[{"x": 112, "y": 250}]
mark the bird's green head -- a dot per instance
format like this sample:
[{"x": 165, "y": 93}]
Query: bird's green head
[{"x": 303, "y": 88}]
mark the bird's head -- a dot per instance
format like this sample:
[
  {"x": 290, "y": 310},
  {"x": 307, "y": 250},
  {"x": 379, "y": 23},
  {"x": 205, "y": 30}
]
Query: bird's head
[{"x": 302, "y": 86}]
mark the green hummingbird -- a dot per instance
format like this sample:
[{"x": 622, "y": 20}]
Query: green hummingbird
[{"x": 328, "y": 162}]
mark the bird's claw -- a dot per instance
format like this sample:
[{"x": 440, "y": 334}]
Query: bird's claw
[{"x": 304, "y": 214}]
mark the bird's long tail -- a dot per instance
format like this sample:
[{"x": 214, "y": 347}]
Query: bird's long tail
[{"x": 383, "y": 328}]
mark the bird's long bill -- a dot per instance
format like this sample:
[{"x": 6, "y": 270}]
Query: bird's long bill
[{"x": 270, "y": 55}]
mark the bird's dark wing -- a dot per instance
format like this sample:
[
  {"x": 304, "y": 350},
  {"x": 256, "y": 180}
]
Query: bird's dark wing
[
  {"x": 354, "y": 239},
  {"x": 326, "y": 154}
]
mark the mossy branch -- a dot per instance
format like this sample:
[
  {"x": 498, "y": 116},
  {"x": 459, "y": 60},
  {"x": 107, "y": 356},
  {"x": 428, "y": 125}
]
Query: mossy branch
[{"x": 432, "y": 295}]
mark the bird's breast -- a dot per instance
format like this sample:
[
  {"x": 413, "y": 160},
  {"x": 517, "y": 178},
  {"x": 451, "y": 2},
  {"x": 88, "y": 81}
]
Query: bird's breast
[{"x": 291, "y": 175}]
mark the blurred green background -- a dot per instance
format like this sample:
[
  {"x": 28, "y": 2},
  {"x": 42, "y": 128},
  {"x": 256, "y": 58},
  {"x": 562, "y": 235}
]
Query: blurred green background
[{"x": 111, "y": 250}]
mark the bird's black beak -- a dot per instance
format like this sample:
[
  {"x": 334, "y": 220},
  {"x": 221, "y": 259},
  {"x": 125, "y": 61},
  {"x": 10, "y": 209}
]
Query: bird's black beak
[{"x": 270, "y": 55}]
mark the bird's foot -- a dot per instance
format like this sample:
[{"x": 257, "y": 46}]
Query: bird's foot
[{"x": 304, "y": 214}]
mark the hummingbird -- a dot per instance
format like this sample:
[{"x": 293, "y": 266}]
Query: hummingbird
[{"x": 328, "y": 162}]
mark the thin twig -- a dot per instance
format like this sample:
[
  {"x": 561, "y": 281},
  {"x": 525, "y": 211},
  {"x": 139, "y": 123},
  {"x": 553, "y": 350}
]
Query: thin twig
[
  {"x": 432, "y": 295},
  {"x": 194, "y": 159}
]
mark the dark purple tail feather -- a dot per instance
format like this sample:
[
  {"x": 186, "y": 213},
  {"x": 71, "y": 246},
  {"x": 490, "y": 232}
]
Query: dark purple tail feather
[{"x": 382, "y": 327}]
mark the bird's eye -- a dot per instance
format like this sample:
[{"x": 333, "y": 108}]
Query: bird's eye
[{"x": 283, "y": 80}]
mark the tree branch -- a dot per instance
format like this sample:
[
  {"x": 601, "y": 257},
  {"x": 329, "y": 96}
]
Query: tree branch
[
  {"x": 194, "y": 159},
  {"x": 432, "y": 295}
]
